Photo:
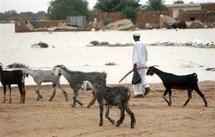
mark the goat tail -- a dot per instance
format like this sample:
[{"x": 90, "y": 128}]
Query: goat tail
[
  {"x": 104, "y": 74},
  {"x": 196, "y": 76}
]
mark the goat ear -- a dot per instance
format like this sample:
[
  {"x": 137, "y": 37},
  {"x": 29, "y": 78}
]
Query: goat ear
[
  {"x": 155, "y": 66},
  {"x": 1, "y": 65}
]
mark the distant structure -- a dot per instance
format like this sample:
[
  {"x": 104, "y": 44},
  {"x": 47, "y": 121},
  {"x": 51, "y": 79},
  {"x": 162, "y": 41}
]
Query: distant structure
[{"x": 177, "y": 8}]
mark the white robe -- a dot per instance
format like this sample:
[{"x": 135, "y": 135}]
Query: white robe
[{"x": 140, "y": 57}]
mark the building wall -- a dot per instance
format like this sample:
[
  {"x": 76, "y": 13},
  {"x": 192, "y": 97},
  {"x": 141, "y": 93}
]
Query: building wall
[
  {"x": 208, "y": 6},
  {"x": 196, "y": 15},
  {"x": 210, "y": 17},
  {"x": 142, "y": 19},
  {"x": 149, "y": 17},
  {"x": 49, "y": 23},
  {"x": 114, "y": 16}
]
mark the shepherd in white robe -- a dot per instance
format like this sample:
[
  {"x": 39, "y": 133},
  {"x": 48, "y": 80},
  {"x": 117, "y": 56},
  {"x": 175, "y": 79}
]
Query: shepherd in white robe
[{"x": 139, "y": 59}]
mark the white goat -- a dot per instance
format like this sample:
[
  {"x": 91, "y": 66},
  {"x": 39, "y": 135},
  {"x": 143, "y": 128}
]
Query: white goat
[{"x": 40, "y": 76}]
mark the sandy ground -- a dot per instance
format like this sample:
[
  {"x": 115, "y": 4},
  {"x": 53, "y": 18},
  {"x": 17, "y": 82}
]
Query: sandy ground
[{"x": 153, "y": 117}]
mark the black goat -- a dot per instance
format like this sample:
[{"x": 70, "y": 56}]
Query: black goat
[
  {"x": 112, "y": 96},
  {"x": 13, "y": 77},
  {"x": 171, "y": 81},
  {"x": 76, "y": 78}
]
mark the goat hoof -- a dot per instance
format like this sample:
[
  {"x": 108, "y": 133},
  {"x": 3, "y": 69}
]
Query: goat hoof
[
  {"x": 132, "y": 125},
  {"x": 100, "y": 124},
  {"x": 117, "y": 125},
  {"x": 112, "y": 122}
]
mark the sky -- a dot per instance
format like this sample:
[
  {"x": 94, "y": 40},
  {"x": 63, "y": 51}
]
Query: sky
[{"x": 42, "y": 5}]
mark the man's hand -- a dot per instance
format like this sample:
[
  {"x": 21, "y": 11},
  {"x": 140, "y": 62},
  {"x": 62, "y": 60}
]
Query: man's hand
[{"x": 135, "y": 67}]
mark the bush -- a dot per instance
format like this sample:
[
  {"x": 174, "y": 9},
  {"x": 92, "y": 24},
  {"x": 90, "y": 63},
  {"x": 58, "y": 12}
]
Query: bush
[
  {"x": 43, "y": 45},
  {"x": 104, "y": 43},
  {"x": 94, "y": 43},
  {"x": 107, "y": 21},
  {"x": 110, "y": 64},
  {"x": 17, "y": 65}
]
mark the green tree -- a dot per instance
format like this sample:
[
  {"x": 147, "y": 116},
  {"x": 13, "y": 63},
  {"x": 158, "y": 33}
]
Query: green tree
[
  {"x": 115, "y": 5},
  {"x": 128, "y": 8},
  {"x": 8, "y": 15},
  {"x": 179, "y": 2},
  {"x": 155, "y": 5},
  {"x": 60, "y": 9},
  {"x": 129, "y": 13}
]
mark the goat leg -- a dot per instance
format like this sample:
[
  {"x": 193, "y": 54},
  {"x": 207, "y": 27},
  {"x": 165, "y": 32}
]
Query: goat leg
[
  {"x": 10, "y": 100},
  {"x": 165, "y": 93},
  {"x": 79, "y": 102},
  {"x": 128, "y": 110},
  {"x": 75, "y": 100},
  {"x": 21, "y": 93},
  {"x": 4, "y": 100},
  {"x": 122, "y": 116},
  {"x": 64, "y": 92},
  {"x": 189, "y": 97},
  {"x": 101, "y": 115},
  {"x": 93, "y": 100},
  {"x": 24, "y": 97},
  {"x": 24, "y": 92},
  {"x": 38, "y": 92},
  {"x": 38, "y": 95},
  {"x": 53, "y": 94},
  {"x": 170, "y": 100},
  {"x": 166, "y": 101},
  {"x": 202, "y": 95},
  {"x": 65, "y": 95},
  {"x": 107, "y": 115}
]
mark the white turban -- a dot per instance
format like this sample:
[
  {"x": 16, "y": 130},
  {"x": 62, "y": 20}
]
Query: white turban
[{"x": 136, "y": 33}]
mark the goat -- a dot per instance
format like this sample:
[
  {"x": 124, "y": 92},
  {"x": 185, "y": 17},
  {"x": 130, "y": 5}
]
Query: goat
[
  {"x": 112, "y": 96},
  {"x": 8, "y": 78},
  {"x": 171, "y": 81},
  {"x": 40, "y": 76},
  {"x": 76, "y": 78}
]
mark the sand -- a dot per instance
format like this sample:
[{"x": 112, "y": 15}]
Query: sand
[{"x": 153, "y": 117}]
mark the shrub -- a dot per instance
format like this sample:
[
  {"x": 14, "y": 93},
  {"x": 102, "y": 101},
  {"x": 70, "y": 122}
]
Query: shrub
[
  {"x": 94, "y": 43},
  {"x": 107, "y": 21},
  {"x": 17, "y": 65}
]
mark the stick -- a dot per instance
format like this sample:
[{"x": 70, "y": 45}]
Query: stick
[{"x": 131, "y": 72}]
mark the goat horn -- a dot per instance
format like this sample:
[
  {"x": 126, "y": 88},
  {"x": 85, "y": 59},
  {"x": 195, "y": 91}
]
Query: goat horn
[{"x": 131, "y": 72}]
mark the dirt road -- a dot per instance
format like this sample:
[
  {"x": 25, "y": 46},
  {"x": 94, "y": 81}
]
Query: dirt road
[{"x": 153, "y": 117}]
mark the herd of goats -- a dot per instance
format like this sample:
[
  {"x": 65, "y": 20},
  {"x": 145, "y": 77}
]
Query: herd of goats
[{"x": 96, "y": 81}]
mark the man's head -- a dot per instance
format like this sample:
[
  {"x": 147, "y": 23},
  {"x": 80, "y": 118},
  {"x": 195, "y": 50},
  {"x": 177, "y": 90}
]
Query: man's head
[{"x": 136, "y": 36}]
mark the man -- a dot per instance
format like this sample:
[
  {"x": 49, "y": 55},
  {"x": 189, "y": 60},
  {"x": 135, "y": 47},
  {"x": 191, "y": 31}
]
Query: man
[{"x": 139, "y": 59}]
